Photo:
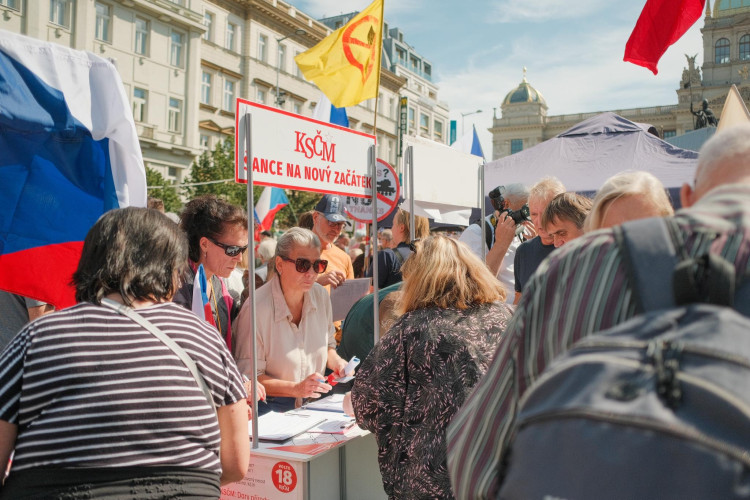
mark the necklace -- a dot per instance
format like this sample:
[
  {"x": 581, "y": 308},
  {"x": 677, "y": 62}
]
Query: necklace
[{"x": 216, "y": 306}]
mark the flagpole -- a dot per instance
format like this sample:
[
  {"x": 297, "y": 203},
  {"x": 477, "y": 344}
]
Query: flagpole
[{"x": 379, "y": 55}]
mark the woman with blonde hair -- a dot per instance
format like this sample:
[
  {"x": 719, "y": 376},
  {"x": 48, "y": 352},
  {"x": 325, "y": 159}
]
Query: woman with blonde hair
[
  {"x": 628, "y": 196},
  {"x": 419, "y": 375},
  {"x": 391, "y": 259}
]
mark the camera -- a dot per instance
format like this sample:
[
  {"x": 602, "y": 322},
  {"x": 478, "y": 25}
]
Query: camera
[
  {"x": 519, "y": 216},
  {"x": 497, "y": 199}
]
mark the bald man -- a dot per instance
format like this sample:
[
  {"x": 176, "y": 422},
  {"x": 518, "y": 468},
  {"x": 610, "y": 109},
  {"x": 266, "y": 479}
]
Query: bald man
[{"x": 582, "y": 288}]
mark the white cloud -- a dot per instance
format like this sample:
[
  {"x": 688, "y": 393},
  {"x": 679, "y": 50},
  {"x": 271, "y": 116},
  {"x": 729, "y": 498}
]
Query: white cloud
[{"x": 537, "y": 11}]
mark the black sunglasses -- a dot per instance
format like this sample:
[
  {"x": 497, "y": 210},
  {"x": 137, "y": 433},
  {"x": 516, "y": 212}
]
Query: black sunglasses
[
  {"x": 230, "y": 250},
  {"x": 304, "y": 265}
]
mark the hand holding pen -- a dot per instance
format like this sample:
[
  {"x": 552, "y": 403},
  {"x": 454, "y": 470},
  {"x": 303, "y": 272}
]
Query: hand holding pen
[{"x": 312, "y": 386}]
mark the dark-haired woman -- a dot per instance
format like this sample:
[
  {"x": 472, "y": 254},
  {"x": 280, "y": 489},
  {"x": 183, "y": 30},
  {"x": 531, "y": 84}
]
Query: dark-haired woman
[
  {"x": 96, "y": 406},
  {"x": 295, "y": 334},
  {"x": 217, "y": 238}
]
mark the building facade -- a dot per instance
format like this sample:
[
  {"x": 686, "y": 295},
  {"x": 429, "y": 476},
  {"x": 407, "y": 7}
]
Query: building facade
[
  {"x": 524, "y": 122},
  {"x": 184, "y": 62}
]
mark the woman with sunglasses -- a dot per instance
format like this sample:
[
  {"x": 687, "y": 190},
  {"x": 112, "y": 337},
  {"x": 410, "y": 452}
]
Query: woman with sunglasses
[
  {"x": 217, "y": 237},
  {"x": 294, "y": 327},
  {"x": 390, "y": 260},
  {"x": 417, "y": 377}
]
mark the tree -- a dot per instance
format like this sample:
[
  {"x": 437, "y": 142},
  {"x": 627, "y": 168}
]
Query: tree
[
  {"x": 214, "y": 173},
  {"x": 166, "y": 193}
]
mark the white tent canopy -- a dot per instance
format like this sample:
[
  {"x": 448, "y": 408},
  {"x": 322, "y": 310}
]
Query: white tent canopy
[{"x": 586, "y": 155}]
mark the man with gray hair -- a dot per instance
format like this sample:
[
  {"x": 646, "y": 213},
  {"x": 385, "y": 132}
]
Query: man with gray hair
[
  {"x": 583, "y": 288},
  {"x": 532, "y": 252},
  {"x": 504, "y": 236}
]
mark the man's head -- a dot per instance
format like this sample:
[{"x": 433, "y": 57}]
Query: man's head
[
  {"x": 512, "y": 196},
  {"x": 724, "y": 159},
  {"x": 705, "y": 104},
  {"x": 540, "y": 195},
  {"x": 564, "y": 216},
  {"x": 329, "y": 218}
]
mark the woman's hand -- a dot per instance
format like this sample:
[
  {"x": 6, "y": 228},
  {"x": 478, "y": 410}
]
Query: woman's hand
[
  {"x": 348, "y": 408},
  {"x": 338, "y": 368},
  {"x": 312, "y": 386},
  {"x": 260, "y": 391}
]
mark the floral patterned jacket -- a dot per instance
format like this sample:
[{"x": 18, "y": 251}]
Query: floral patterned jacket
[{"x": 413, "y": 383}]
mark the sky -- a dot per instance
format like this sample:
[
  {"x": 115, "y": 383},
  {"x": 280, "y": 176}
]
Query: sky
[{"x": 572, "y": 50}]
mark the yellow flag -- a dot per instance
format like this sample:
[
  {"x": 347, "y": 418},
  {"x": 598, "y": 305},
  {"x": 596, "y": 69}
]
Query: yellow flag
[{"x": 346, "y": 64}]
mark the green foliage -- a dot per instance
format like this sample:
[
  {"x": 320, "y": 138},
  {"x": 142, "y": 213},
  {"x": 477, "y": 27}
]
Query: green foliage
[
  {"x": 166, "y": 193},
  {"x": 218, "y": 165}
]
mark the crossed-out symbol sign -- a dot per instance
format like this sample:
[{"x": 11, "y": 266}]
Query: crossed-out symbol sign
[
  {"x": 388, "y": 192},
  {"x": 349, "y": 41}
]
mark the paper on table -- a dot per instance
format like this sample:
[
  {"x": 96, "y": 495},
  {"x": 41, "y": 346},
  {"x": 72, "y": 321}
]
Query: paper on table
[
  {"x": 275, "y": 426},
  {"x": 335, "y": 424},
  {"x": 334, "y": 402},
  {"x": 344, "y": 296}
]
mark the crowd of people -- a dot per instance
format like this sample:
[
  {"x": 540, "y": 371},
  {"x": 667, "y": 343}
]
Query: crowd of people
[{"x": 89, "y": 396}]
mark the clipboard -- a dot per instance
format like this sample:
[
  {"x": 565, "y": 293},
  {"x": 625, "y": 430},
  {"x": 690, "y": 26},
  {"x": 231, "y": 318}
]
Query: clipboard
[{"x": 344, "y": 296}]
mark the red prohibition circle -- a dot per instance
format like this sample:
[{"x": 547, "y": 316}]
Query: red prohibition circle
[{"x": 394, "y": 191}]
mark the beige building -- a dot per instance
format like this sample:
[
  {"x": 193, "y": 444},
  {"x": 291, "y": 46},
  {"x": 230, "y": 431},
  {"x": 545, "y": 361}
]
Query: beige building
[
  {"x": 524, "y": 122},
  {"x": 184, "y": 63}
]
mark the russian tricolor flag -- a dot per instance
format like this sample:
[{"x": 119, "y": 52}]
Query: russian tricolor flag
[
  {"x": 271, "y": 200},
  {"x": 70, "y": 153},
  {"x": 326, "y": 112}
]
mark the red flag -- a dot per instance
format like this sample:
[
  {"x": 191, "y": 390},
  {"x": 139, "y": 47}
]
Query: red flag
[{"x": 662, "y": 23}]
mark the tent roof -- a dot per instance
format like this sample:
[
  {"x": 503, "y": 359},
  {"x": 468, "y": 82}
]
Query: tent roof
[{"x": 589, "y": 153}]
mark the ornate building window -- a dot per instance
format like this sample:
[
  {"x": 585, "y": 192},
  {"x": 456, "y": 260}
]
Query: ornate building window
[
  {"x": 722, "y": 51},
  {"x": 206, "y": 88},
  {"x": 102, "y": 29},
  {"x": 745, "y": 47},
  {"x": 177, "y": 43},
  {"x": 141, "y": 36},
  {"x": 516, "y": 146},
  {"x": 263, "y": 48},
  {"x": 174, "y": 122}
]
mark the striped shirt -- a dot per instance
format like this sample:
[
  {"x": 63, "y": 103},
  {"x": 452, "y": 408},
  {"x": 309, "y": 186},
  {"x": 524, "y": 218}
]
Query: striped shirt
[
  {"x": 582, "y": 288},
  {"x": 88, "y": 387}
]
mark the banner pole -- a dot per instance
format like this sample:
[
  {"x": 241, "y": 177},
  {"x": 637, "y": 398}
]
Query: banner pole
[
  {"x": 371, "y": 160},
  {"x": 247, "y": 119}
]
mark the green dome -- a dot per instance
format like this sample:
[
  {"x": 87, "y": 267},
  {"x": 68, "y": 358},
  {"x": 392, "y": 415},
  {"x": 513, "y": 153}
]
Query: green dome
[
  {"x": 524, "y": 93},
  {"x": 722, "y": 6}
]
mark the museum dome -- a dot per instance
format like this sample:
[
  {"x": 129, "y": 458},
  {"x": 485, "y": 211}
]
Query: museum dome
[{"x": 524, "y": 93}]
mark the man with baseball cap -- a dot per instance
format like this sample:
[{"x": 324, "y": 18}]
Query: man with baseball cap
[{"x": 328, "y": 221}]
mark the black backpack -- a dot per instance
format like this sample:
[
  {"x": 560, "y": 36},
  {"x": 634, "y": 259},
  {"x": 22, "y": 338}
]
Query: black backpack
[{"x": 657, "y": 407}]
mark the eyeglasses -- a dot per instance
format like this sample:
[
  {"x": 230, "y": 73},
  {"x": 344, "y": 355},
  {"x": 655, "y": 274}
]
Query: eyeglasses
[
  {"x": 304, "y": 265},
  {"x": 230, "y": 250}
]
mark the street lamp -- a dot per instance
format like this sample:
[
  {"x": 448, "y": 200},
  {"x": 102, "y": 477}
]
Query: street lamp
[
  {"x": 300, "y": 31},
  {"x": 467, "y": 114}
]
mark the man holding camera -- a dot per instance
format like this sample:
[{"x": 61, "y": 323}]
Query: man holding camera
[{"x": 506, "y": 228}]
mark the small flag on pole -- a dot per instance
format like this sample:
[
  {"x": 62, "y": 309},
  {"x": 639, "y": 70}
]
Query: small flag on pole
[
  {"x": 271, "y": 200},
  {"x": 469, "y": 143},
  {"x": 327, "y": 112},
  {"x": 345, "y": 65},
  {"x": 201, "y": 305}
]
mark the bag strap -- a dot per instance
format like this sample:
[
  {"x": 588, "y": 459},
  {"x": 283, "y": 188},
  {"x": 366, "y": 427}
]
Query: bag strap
[
  {"x": 179, "y": 351},
  {"x": 650, "y": 255},
  {"x": 664, "y": 275}
]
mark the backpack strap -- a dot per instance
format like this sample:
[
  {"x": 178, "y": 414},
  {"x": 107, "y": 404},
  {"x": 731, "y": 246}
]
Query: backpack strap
[{"x": 649, "y": 251}]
